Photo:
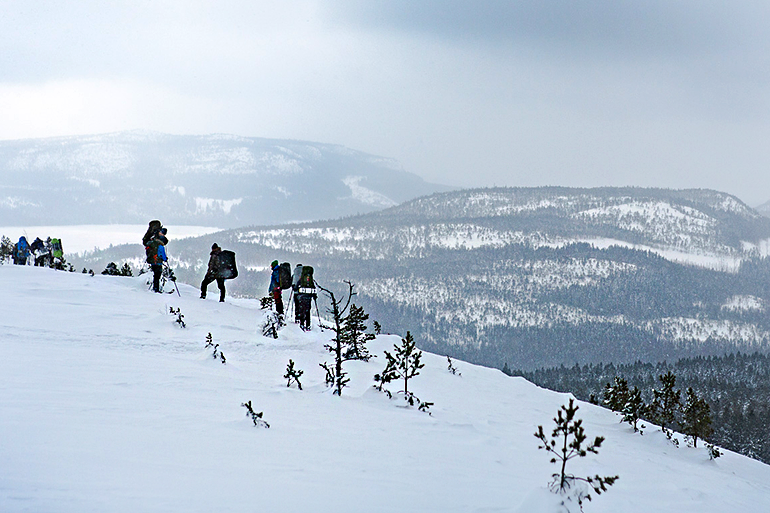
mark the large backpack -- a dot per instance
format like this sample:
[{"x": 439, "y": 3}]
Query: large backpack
[
  {"x": 58, "y": 252},
  {"x": 151, "y": 250},
  {"x": 227, "y": 268},
  {"x": 152, "y": 230},
  {"x": 306, "y": 284},
  {"x": 284, "y": 275},
  {"x": 22, "y": 249}
]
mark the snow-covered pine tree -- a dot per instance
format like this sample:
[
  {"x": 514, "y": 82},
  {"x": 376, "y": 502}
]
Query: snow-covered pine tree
[
  {"x": 6, "y": 249},
  {"x": 666, "y": 403},
  {"x": 293, "y": 374},
  {"x": 696, "y": 417},
  {"x": 355, "y": 336},
  {"x": 111, "y": 270},
  {"x": 377, "y": 327},
  {"x": 126, "y": 270},
  {"x": 566, "y": 443},
  {"x": 616, "y": 394},
  {"x": 406, "y": 363},
  {"x": 634, "y": 408}
]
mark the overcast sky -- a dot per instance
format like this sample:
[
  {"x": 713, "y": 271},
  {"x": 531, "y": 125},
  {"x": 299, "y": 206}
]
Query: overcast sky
[{"x": 471, "y": 93}]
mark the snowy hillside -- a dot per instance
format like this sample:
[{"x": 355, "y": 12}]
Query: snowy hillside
[
  {"x": 212, "y": 180},
  {"x": 531, "y": 277},
  {"x": 109, "y": 405}
]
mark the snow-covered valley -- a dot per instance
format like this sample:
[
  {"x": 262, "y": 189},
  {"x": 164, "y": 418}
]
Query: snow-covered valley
[{"x": 108, "y": 404}]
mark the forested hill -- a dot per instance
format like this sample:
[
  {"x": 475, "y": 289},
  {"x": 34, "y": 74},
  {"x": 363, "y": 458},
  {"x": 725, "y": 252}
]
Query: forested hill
[
  {"x": 532, "y": 277},
  {"x": 205, "y": 180}
]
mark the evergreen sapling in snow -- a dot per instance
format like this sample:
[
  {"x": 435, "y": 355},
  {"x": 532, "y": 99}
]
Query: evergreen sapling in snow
[
  {"x": 256, "y": 418},
  {"x": 404, "y": 365},
  {"x": 179, "y": 317},
  {"x": 339, "y": 343},
  {"x": 355, "y": 336},
  {"x": 293, "y": 374},
  {"x": 666, "y": 403},
  {"x": 634, "y": 409},
  {"x": 566, "y": 443},
  {"x": 451, "y": 368},
  {"x": 217, "y": 354},
  {"x": 696, "y": 417}
]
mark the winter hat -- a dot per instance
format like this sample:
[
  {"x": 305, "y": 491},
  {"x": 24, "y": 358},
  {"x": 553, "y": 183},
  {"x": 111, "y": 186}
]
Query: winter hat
[
  {"x": 164, "y": 231},
  {"x": 214, "y": 246},
  {"x": 274, "y": 264}
]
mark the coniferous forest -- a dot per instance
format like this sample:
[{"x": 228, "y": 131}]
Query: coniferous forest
[{"x": 736, "y": 387}]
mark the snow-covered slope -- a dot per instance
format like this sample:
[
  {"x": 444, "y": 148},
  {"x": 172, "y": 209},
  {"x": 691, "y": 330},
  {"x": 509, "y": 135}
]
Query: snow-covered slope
[
  {"x": 212, "y": 180},
  {"x": 109, "y": 405}
]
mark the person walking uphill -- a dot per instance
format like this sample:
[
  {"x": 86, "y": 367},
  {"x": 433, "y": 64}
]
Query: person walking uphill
[
  {"x": 156, "y": 255},
  {"x": 275, "y": 287},
  {"x": 213, "y": 273}
]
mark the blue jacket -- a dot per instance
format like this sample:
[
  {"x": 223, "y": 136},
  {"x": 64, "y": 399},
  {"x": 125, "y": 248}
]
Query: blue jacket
[
  {"x": 162, "y": 253},
  {"x": 275, "y": 279}
]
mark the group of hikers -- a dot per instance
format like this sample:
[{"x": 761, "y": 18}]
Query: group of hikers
[
  {"x": 43, "y": 253},
  {"x": 221, "y": 267},
  {"x": 302, "y": 288}
]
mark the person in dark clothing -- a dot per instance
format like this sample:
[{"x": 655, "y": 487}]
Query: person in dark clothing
[
  {"x": 155, "y": 257},
  {"x": 214, "y": 273},
  {"x": 275, "y": 287}
]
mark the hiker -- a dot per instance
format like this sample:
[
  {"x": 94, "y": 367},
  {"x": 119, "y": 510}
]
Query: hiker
[
  {"x": 49, "y": 249},
  {"x": 275, "y": 287},
  {"x": 57, "y": 254},
  {"x": 295, "y": 289},
  {"x": 213, "y": 273},
  {"x": 38, "y": 249},
  {"x": 22, "y": 251},
  {"x": 152, "y": 230},
  {"x": 305, "y": 295},
  {"x": 156, "y": 255}
]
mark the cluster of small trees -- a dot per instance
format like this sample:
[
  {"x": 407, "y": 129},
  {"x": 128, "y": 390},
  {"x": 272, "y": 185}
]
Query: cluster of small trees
[
  {"x": 112, "y": 270},
  {"x": 692, "y": 417}
]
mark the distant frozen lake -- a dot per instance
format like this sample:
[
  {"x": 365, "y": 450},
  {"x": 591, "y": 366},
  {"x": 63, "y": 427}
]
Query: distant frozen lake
[{"x": 81, "y": 238}]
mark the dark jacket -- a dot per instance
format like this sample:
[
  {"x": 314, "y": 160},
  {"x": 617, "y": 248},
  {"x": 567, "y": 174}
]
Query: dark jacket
[{"x": 215, "y": 264}]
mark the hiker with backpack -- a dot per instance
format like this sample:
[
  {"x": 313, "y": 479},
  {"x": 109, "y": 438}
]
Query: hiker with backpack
[
  {"x": 275, "y": 287},
  {"x": 38, "y": 250},
  {"x": 156, "y": 256},
  {"x": 22, "y": 251},
  {"x": 214, "y": 272},
  {"x": 305, "y": 295}
]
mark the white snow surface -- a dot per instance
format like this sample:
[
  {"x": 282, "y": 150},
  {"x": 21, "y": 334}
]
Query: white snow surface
[
  {"x": 82, "y": 238},
  {"x": 109, "y": 405}
]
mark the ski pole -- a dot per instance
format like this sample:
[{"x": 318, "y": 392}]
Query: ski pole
[{"x": 320, "y": 325}]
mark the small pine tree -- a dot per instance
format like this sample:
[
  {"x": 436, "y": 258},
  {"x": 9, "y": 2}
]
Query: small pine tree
[
  {"x": 126, "y": 270},
  {"x": 6, "y": 249},
  {"x": 451, "y": 368},
  {"x": 256, "y": 418},
  {"x": 616, "y": 395},
  {"x": 634, "y": 408},
  {"x": 266, "y": 303},
  {"x": 565, "y": 444},
  {"x": 111, "y": 270},
  {"x": 355, "y": 335},
  {"x": 377, "y": 327},
  {"x": 179, "y": 316},
  {"x": 292, "y": 374},
  {"x": 405, "y": 364},
  {"x": 666, "y": 403},
  {"x": 696, "y": 417},
  {"x": 338, "y": 345}
]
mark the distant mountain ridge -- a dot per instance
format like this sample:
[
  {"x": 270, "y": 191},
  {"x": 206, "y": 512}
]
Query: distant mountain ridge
[
  {"x": 212, "y": 180},
  {"x": 532, "y": 277}
]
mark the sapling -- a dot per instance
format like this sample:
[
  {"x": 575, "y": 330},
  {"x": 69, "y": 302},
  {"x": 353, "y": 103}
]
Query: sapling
[
  {"x": 256, "y": 418},
  {"x": 377, "y": 327},
  {"x": 179, "y": 317},
  {"x": 338, "y": 344},
  {"x": 696, "y": 417},
  {"x": 217, "y": 354},
  {"x": 451, "y": 368},
  {"x": 566, "y": 443},
  {"x": 293, "y": 374},
  {"x": 403, "y": 366}
]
